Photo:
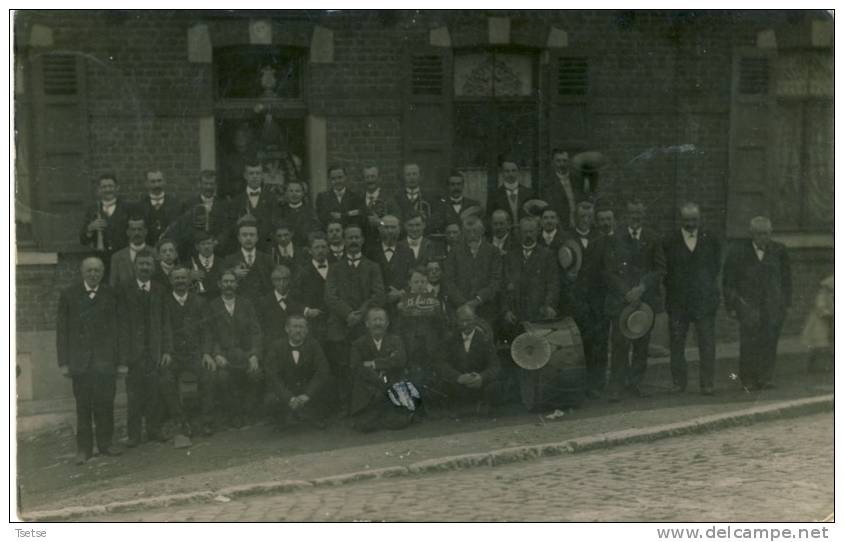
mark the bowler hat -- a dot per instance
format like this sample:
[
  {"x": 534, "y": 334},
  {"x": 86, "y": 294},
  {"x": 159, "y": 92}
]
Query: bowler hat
[
  {"x": 636, "y": 320},
  {"x": 534, "y": 207}
]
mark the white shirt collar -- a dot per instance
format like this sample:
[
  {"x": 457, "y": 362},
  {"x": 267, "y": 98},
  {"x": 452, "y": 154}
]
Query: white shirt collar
[
  {"x": 145, "y": 285},
  {"x": 688, "y": 234},
  {"x": 634, "y": 232},
  {"x": 89, "y": 289},
  {"x": 583, "y": 233},
  {"x": 414, "y": 242},
  {"x": 138, "y": 248},
  {"x": 247, "y": 253},
  {"x": 549, "y": 234},
  {"x": 181, "y": 299},
  {"x": 374, "y": 195},
  {"x": 316, "y": 264},
  {"x": 295, "y": 205},
  {"x": 467, "y": 338},
  {"x": 512, "y": 187},
  {"x": 159, "y": 198},
  {"x": 339, "y": 193},
  {"x": 378, "y": 342},
  {"x": 207, "y": 262},
  {"x": 279, "y": 297},
  {"x": 206, "y": 199}
]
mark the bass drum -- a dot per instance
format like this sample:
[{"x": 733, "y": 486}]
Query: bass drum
[{"x": 561, "y": 383}]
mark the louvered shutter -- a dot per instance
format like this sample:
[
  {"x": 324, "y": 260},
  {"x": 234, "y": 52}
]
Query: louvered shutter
[
  {"x": 565, "y": 96},
  {"x": 751, "y": 114},
  {"x": 427, "y": 126},
  {"x": 60, "y": 163}
]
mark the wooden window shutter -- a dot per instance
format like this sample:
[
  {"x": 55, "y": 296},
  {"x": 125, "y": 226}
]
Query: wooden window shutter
[
  {"x": 565, "y": 101},
  {"x": 428, "y": 108},
  {"x": 60, "y": 150},
  {"x": 751, "y": 113}
]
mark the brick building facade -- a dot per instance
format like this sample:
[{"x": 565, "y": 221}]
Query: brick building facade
[{"x": 733, "y": 110}]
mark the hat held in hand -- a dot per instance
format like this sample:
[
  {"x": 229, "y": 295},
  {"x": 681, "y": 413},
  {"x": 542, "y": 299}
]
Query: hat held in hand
[{"x": 636, "y": 320}]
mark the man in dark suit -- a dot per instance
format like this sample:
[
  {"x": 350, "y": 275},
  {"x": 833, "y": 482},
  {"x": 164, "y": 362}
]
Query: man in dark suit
[
  {"x": 168, "y": 257},
  {"x": 191, "y": 352},
  {"x": 564, "y": 190},
  {"x": 469, "y": 366},
  {"x": 552, "y": 237},
  {"x": 511, "y": 195},
  {"x": 378, "y": 205},
  {"x": 502, "y": 238},
  {"x": 633, "y": 265},
  {"x": 105, "y": 222},
  {"x": 394, "y": 259},
  {"x": 297, "y": 375},
  {"x": 298, "y": 214},
  {"x": 340, "y": 203},
  {"x": 309, "y": 287},
  {"x": 377, "y": 362},
  {"x": 692, "y": 265},
  {"x": 87, "y": 347},
  {"x": 353, "y": 285},
  {"x": 158, "y": 208},
  {"x": 473, "y": 272},
  {"x": 273, "y": 309},
  {"x": 236, "y": 344},
  {"x": 334, "y": 238},
  {"x": 412, "y": 201},
  {"x": 256, "y": 203},
  {"x": 757, "y": 292},
  {"x": 205, "y": 266},
  {"x": 531, "y": 279},
  {"x": 145, "y": 343},
  {"x": 203, "y": 212},
  {"x": 422, "y": 249},
  {"x": 284, "y": 251},
  {"x": 123, "y": 261},
  {"x": 449, "y": 208},
  {"x": 252, "y": 268},
  {"x": 453, "y": 237}
]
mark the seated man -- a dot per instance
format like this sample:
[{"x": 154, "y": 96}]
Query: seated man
[
  {"x": 469, "y": 365},
  {"x": 236, "y": 344},
  {"x": 297, "y": 376},
  {"x": 377, "y": 362},
  {"x": 273, "y": 309},
  {"x": 187, "y": 315}
]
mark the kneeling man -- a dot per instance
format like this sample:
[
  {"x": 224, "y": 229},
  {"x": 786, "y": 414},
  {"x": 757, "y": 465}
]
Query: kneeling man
[{"x": 297, "y": 376}]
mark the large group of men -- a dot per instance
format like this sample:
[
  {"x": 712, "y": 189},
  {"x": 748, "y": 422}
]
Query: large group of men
[{"x": 368, "y": 304}]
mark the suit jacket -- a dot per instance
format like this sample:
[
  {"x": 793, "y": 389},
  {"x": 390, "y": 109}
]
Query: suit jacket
[
  {"x": 481, "y": 358},
  {"x": 236, "y": 337},
  {"x": 385, "y": 204},
  {"x": 627, "y": 263},
  {"x": 691, "y": 278},
  {"x": 510, "y": 244},
  {"x": 590, "y": 285},
  {"x": 556, "y": 241},
  {"x": 161, "y": 277},
  {"x": 122, "y": 269},
  {"x": 139, "y": 350},
  {"x": 467, "y": 277},
  {"x": 758, "y": 286},
  {"x": 302, "y": 220},
  {"x": 499, "y": 200},
  {"x": 114, "y": 235},
  {"x": 287, "y": 379},
  {"x": 352, "y": 208},
  {"x": 348, "y": 289},
  {"x": 217, "y": 222},
  {"x": 530, "y": 283},
  {"x": 554, "y": 194},
  {"x": 272, "y": 317},
  {"x": 309, "y": 290},
  {"x": 157, "y": 220},
  {"x": 264, "y": 214},
  {"x": 395, "y": 272},
  {"x": 190, "y": 327},
  {"x": 428, "y": 250},
  {"x": 423, "y": 205},
  {"x": 369, "y": 383},
  {"x": 295, "y": 263},
  {"x": 444, "y": 214},
  {"x": 208, "y": 287},
  {"x": 258, "y": 282},
  {"x": 87, "y": 335}
]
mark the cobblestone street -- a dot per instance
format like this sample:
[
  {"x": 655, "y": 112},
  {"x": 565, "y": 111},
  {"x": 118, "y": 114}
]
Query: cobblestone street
[{"x": 776, "y": 471}]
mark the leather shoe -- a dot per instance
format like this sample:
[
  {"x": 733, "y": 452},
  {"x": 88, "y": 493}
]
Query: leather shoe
[
  {"x": 81, "y": 458},
  {"x": 132, "y": 442},
  {"x": 707, "y": 390},
  {"x": 110, "y": 451},
  {"x": 638, "y": 392}
]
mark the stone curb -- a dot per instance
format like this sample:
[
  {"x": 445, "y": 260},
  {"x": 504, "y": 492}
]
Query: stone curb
[{"x": 502, "y": 456}]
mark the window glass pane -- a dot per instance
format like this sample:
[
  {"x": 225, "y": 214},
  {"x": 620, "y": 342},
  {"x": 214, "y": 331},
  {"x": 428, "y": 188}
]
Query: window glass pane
[
  {"x": 473, "y": 74},
  {"x": 258, "y": 72}
]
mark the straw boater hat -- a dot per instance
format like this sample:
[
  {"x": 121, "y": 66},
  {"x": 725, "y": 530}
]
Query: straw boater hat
[
  {"x": 636, "y": 320},
  {"x": 474, "y": 210},
  {"x": 534, "y": 207},
  {"x": 570, "y": 256}
]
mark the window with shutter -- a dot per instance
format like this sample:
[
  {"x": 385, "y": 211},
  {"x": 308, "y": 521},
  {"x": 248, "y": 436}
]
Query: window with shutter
[
  {"x": 572, "y": 76},
  {"x": 59, "y": 73},
  {"x": 753, "y": 75},
  {"x": 427, "y": 75}
]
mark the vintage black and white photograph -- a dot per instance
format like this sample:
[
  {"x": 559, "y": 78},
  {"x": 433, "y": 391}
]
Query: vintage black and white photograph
[{"x": 423, "y": 265}]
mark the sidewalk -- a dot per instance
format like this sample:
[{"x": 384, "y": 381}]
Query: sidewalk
[{"x": 48, "y": 479}]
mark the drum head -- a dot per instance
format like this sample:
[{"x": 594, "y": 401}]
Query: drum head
[{"x": 530, "y": 351}]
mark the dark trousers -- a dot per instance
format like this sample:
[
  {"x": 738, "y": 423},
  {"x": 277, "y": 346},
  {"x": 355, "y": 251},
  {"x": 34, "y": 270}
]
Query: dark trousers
[
  {"x": 169, "y": 378},
  {"x": 316, "y": 409},
  {"x": 94, "y": 394},
  {"x": 594, "y": 332},
  {"x": 142, "y": 402},
  {"x": 627, "y": 370},
  {"x": 678, "y": 328},
  {"x": 758, "y": 350},
  {"x": 239, "y": 391}
]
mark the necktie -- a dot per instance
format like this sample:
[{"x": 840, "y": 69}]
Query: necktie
[
  {"x": 92, "y": 294},
  {"x": 370, "y": 201},
  {"x": 322, "y": 266},
  {"x": 249, "y": 259},
  {"x": 254, "y": 193},
  {"x": 282, "y": 303},
  {"x": 388, "y": 253},
  {"x": 157, "y": 202},
  {"x": 467, "y": 341},
  {"x": 354, "y": 262},
  {"x": 527, "y": 253}
]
